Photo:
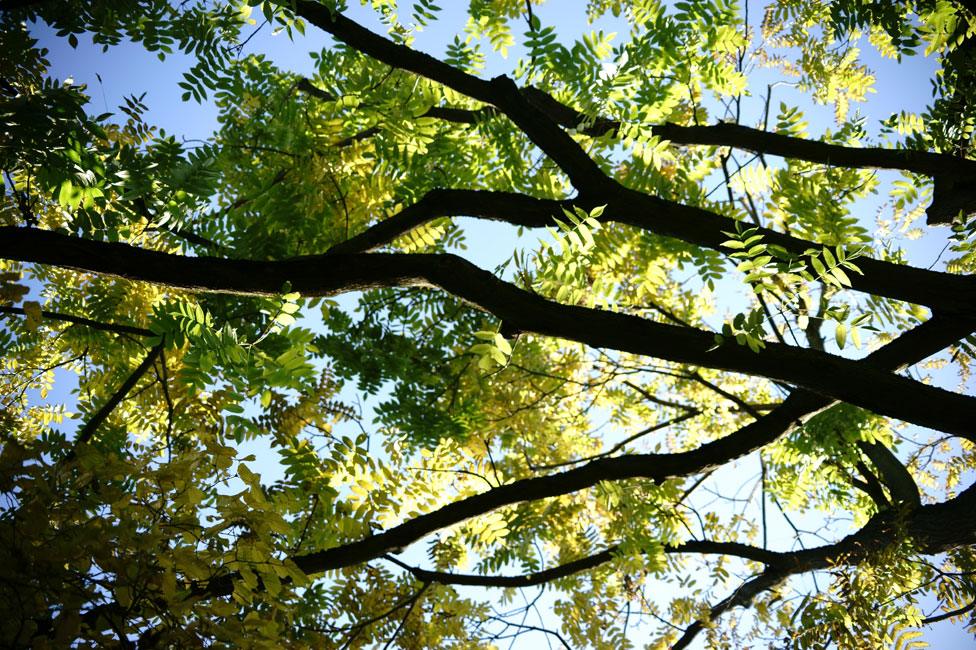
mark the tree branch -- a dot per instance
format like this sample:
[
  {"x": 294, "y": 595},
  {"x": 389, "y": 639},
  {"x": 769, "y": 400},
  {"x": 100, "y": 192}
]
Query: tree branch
[
  {"x": 908, "y": 348},
  {"x": 688, "y": 223},
  {"x": 952, "y": 191},
  {"x": 703, "y": 547},
  {"x": 870, "y": 485},
  {"x": 80, "y": 320},
  {"x": 724, "y": 134},
  {"x": 623, "y": 443},
  {"x": 727, "y": 134},
  {"x": 882, "y": 530},
  {"x": 501, "y": 92},
  {"x": 943, "y": 292},
  {"x": 956, "y": 612},
  {"x": 86, "y": 432},
  {"x": 320, "y": 275},
  {"x": 704, "y": 228},
  {"x": 508, "y": 207},
  {"x": 446, "y": 113},
  {"x": 928, "y": 527},
  {"x": 894, "y": 475}
]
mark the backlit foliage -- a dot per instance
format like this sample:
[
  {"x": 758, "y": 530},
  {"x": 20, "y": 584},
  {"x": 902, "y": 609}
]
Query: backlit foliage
[{"x": 188, "y": 465}]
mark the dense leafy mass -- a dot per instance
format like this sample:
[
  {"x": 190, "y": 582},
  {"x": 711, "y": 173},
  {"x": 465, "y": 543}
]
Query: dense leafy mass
[{"x": 679, "y": 415}]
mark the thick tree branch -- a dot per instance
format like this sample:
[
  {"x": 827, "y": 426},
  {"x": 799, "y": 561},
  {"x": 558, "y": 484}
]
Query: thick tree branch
[
  {"x": 909, "y": 348},
  {"x": 839, "y": 378},
  {"x": 704, "y": 228},
  {"x": 725, "y": 134},
  {"x": 835, "y": 155},
  {"x": 870, "y": 485},
  {"x": 688, "y": 223},
  {"x": 952, "y": 189},
  {"x": 893, "y": 473},
  {"x": 386, "y": 51},
  {"x": 943, "y": 292},
  {"x": 501, "y": 92}
]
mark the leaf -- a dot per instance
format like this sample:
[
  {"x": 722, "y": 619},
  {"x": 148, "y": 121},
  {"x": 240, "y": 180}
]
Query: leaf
[
  {"x": 587, "y": 236},
  {"x": 246, "y": 474},
  {"x": 284, "y": 319},
  {"x": 829, "y": 258},
  {"x": 819, "y": 268},
  {"x": 397, "y": 405},
  {"x": 32, "y": 311},
  {"x": 840, "y": 276}
]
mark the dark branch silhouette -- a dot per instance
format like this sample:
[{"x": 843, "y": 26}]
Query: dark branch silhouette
[
  {"x": 81, "y": 320},
  {"x": 322, "y": 275},
  {"x": 91, "y": 426},
  {"x": 909, "y": 348}
]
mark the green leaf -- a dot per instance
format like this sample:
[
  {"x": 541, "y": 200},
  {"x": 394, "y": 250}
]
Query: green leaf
[
  {"x": 819, "y": 268},
  {"x": 840, "y": 276},
  {"x": 829, "y": 258}
]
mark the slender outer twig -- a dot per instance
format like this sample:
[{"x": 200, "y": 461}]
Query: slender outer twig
[{"x": 86, "y": 432}]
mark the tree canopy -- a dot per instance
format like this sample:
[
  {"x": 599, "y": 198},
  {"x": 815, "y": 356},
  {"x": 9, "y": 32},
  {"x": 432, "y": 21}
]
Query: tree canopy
[{"x": 713, "y": 395}]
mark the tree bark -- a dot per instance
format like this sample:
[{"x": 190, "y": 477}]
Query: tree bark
[{"x": 322, "y": 275}]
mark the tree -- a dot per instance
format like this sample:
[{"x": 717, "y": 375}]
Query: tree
[{"x": 590, "y": 421}]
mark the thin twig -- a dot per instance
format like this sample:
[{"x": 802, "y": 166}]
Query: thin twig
[
  {"x": 87, "y": 431},
  {"x": 81, "y": 320},
  {"x": 403, "y": 621}
]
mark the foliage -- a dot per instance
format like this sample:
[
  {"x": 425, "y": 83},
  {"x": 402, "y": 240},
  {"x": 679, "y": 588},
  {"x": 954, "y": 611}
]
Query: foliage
[{"x": 648, "y": 422}]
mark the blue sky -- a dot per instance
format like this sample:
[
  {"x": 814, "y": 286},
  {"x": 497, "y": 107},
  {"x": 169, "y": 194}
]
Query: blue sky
[{"x": 128, "y": 69}]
